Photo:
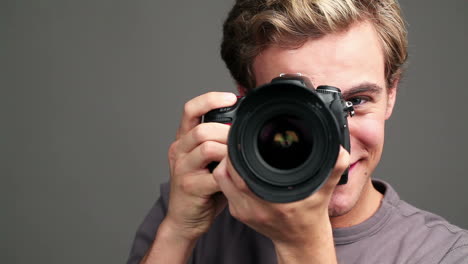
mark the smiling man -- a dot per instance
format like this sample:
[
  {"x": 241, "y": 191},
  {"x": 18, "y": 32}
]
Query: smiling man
[{"x": 213, "y": 217}]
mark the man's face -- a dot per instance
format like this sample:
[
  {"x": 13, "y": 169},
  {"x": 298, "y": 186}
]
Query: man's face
[{"x": 352, "y": 61}]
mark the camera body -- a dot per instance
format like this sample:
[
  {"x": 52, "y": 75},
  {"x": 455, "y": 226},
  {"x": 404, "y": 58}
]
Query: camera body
[{"x": 285, "y": 136}]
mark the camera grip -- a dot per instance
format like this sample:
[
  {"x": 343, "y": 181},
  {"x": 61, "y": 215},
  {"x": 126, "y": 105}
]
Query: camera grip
[{"x": 224, "y": 115}]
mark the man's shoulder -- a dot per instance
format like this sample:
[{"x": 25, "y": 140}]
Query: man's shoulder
[
  {"x": 424, "y": 232},
  {"x": 435, "y": 227},
  {"x": 419, "y": 218}
]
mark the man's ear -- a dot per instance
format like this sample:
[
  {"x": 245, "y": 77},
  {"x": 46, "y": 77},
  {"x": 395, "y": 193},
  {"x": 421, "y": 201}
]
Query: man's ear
[
  {"x": 391, "y": 98},
  {"x": 241, "y": 90}
]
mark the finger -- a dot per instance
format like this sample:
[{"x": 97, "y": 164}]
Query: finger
[
  {"x": 198, "y": 106},
  {"x": 216, "y": 132},
  {"x": 199, "y": 158},
  {"x": 239, "y": 202},
  {"x": 342, "y": 163},
  {"x": 201, "y": 185},
  {"x": 203, "y": 132},
  {"x": 237, "y": 180},
  {"x": 224, "y": 181}
]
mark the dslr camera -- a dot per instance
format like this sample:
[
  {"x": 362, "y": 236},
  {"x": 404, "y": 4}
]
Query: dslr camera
[{"x": 285, "y": 136}]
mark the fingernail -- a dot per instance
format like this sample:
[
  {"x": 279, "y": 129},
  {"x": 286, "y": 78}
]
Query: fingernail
[{"x": 230, "y": 97}]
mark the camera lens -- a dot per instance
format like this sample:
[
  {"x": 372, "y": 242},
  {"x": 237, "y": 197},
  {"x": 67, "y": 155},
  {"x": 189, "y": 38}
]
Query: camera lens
[{"x": 284, "y": 142}]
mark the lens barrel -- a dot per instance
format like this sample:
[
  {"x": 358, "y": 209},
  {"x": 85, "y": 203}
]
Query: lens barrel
[{"x": 284, "y": 141}]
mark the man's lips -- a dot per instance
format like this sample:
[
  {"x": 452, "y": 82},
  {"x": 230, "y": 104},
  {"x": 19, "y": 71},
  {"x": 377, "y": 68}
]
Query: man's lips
[{"x": 353, "y": 165}]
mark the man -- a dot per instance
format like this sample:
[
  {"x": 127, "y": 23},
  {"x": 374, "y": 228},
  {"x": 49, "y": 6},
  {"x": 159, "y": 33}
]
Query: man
[{"x": 204, "y": 217}]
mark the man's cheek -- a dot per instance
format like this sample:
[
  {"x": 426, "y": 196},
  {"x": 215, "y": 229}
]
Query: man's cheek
[{"x": 367, "y": 132}]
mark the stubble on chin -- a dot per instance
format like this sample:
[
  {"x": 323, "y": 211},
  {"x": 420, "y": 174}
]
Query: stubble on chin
[
  {"x": 336, "y": 211},
  {"x": 342, "y": 201},
  {"x": 346, "y": 197}
]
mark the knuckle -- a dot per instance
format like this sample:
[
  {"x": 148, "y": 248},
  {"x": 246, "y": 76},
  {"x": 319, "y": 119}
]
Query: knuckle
[
  {"x": 178, "y": 166},
  {"x": 218, "y": 175},
  {"x": 186, "y": 186},
  {"x": 188, "y": 108},
  {"x": 172, "y": 152},
  {"x": 199, "y": 133},
  {"x": 209, "y": 149}
]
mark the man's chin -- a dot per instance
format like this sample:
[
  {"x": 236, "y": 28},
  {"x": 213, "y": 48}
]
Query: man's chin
[
  {"x": 340, "y": 203},
  {"x": 336, "y": 211}
]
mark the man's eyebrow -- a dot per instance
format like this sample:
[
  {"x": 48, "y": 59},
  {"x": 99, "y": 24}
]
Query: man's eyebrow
[{"x": 363, "y": 88}]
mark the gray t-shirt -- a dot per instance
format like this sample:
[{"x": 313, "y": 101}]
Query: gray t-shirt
[{"x": 396, "y": 233}]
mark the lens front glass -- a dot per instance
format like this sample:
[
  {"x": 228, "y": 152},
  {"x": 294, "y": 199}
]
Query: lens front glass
[{"x": 285, "y": 142}]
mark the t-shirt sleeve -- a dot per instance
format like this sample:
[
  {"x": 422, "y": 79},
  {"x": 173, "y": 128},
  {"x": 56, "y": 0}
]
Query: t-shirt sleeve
[
  {"x": 457, "y": 255},
  {"x": 146, "y": 232}
]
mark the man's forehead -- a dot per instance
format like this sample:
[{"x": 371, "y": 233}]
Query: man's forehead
[{"x": 336, "y": 59}]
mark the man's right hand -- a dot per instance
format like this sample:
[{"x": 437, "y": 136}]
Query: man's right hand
[{"x": 195, "y": 198}]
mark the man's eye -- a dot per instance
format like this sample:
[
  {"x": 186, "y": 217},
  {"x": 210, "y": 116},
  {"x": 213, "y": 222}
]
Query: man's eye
[{"x": 358, "y": 100}]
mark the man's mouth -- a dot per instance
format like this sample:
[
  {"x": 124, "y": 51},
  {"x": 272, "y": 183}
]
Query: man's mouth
[{"x": 353, "y": 165}]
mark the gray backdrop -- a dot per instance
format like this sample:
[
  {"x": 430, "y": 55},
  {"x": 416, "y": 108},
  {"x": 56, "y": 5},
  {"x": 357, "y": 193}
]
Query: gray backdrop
[{"x": 91, "y": 96}]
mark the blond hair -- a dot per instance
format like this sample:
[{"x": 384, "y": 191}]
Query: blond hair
[{"x": 253, "y": 25}]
